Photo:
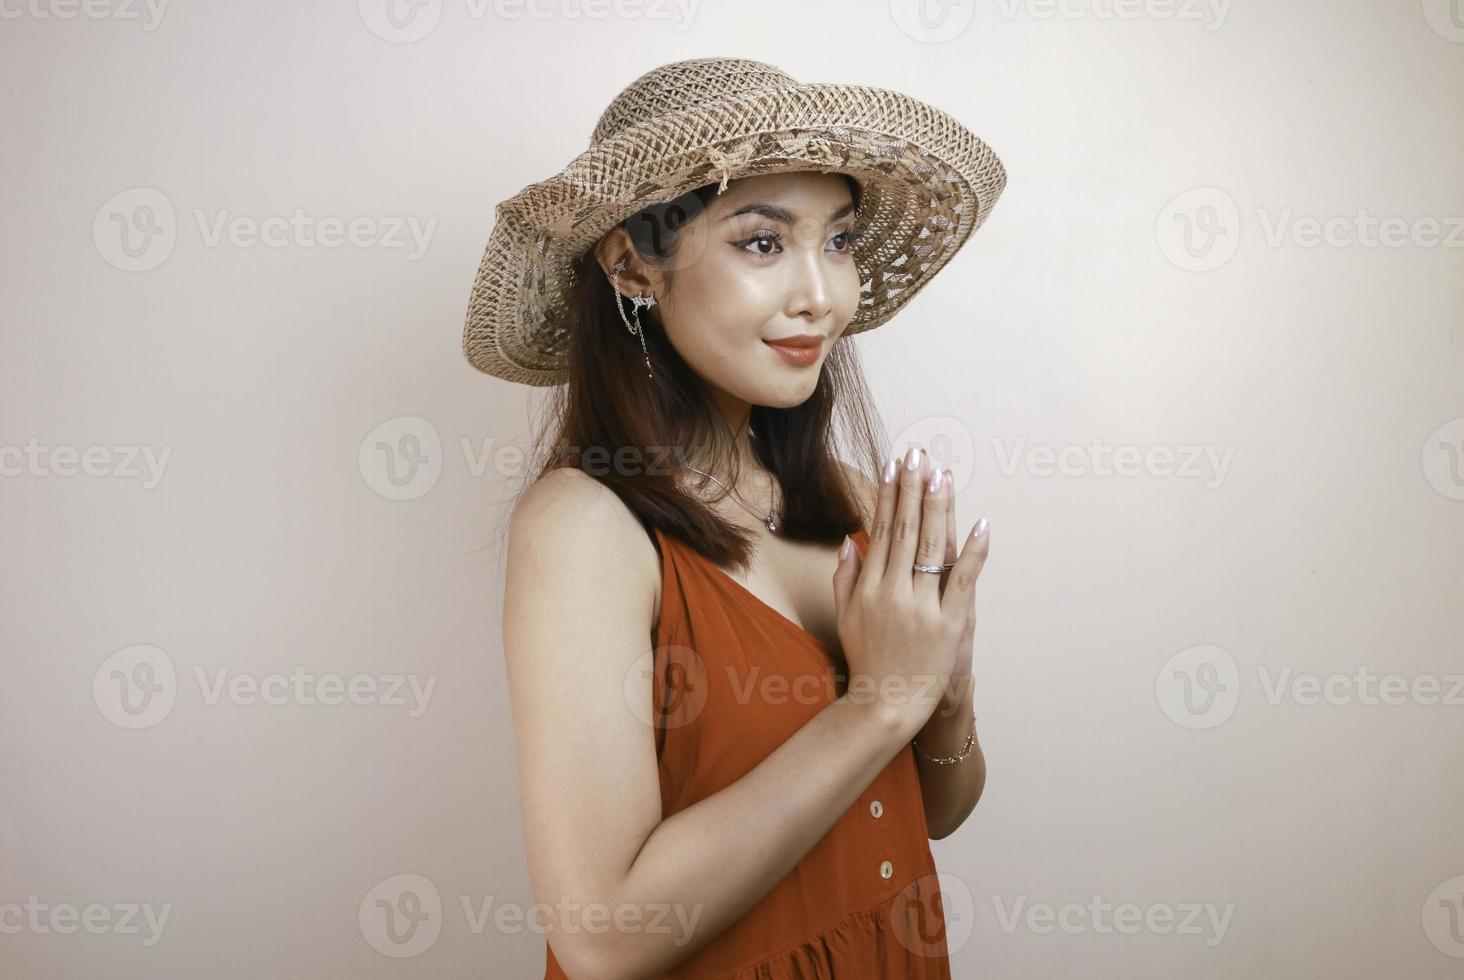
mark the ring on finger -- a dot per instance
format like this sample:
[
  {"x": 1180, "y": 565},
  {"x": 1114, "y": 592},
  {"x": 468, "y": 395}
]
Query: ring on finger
[{"x": 934, "y": 568}]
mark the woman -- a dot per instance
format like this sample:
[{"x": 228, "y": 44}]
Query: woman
[{"x": 752, "y": 793}]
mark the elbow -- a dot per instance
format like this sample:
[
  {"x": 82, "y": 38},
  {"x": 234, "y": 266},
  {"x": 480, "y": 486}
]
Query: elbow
[
  {"x": 580, "y": 958},
  {"x": 592, "y": 956},
  {"x": 943, "y": 829}
]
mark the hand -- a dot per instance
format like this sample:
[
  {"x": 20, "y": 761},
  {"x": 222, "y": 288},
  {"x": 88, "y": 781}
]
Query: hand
[
  {"x": 902, "y": 635},
  {"x": 960, "y": 681}
]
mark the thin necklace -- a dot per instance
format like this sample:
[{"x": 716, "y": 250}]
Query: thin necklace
[
  {"x": 768, "y": 521},
  {"x": 771, "y": 524}
]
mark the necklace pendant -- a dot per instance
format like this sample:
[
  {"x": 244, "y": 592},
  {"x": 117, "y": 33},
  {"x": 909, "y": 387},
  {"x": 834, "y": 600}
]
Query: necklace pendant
[{"x": 772, "y": 528}]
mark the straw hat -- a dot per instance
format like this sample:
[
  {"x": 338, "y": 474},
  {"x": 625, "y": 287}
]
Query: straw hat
[{"x": 927, "y": 183}]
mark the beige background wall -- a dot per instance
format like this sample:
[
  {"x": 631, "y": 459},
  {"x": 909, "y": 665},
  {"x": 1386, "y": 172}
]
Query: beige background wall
[{"x": 245, "y": 478}]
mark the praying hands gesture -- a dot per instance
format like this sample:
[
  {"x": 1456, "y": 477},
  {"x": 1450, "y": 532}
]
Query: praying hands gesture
[{"x": 900, "y": 624}]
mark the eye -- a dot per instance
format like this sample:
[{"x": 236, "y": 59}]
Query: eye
[
  {"x": 761, "y": 237},
  {"x": 773, "y": 241}
]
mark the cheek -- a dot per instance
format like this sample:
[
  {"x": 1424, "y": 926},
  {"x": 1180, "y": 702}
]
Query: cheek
[
  {"x": 722, "y": 308},
  {"x": 846, "y": 298}
]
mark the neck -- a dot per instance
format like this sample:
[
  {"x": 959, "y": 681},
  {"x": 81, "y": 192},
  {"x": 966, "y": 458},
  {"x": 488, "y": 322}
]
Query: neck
[{"x": 737, "y": 414}]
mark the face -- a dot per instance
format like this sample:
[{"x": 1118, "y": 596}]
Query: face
[{"x": 769, "y": 259}]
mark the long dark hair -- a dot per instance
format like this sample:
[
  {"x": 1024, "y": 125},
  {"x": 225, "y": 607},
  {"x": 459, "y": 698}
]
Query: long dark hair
[{"x": 631, "y": 433}]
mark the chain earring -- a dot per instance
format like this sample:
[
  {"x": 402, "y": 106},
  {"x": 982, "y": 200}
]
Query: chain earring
[{"x": 637, "y": 301}]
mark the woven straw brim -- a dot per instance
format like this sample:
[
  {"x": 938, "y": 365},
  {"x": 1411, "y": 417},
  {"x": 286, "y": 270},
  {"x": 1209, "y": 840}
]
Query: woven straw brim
[{"x": 927, "y": 184}]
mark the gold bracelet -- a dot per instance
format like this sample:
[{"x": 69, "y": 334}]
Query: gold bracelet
[{"x": 965, "y": 750}]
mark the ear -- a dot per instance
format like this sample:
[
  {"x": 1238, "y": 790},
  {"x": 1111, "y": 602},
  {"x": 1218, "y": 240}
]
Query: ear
[{"x": 615, "y": 247}]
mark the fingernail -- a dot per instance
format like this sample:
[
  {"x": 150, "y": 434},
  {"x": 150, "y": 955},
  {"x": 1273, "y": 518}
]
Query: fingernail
[
  {"x": 912, "y": 458},
  {"x": 935, "y": 481},
  {"x": 844, "y": 548},
  {"x": 891, "y": 468},
  {"x": 980, "y": 529}
]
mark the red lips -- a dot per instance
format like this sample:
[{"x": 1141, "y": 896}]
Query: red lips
[{"x": 799, "y": 340}]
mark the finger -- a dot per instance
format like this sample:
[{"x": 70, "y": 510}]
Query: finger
[
  {"x": 950, "y": 523},
  {"x": 908, "y": 513},
  {"x": 883, "y": 522},
  {"x": 932, "y": 547},
  {"x": 845, "y": 576},
  {"x": 960, "y": 594}
]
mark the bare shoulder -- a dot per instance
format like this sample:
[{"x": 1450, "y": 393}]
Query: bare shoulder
[
  {"x": 568, "y": 516},
  {"x": 577, "y": 613}
]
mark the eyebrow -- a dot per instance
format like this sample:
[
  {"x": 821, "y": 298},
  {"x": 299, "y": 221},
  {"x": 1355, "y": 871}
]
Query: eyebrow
[{"x": 783, "y": 215}]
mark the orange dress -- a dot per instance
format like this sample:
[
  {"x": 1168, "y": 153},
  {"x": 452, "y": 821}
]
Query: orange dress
[{"x": 733, "y": 679}]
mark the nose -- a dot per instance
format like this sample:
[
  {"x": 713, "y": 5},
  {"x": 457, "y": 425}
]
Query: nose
[{"x": 809, "y": 295}]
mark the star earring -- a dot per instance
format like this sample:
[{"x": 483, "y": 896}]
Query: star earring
[{"x": 637, "y": 301}]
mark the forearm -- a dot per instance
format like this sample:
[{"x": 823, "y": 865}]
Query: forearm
[
  {"x": 950, "y": 792},
  {"x": 714, "y": 860}
]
